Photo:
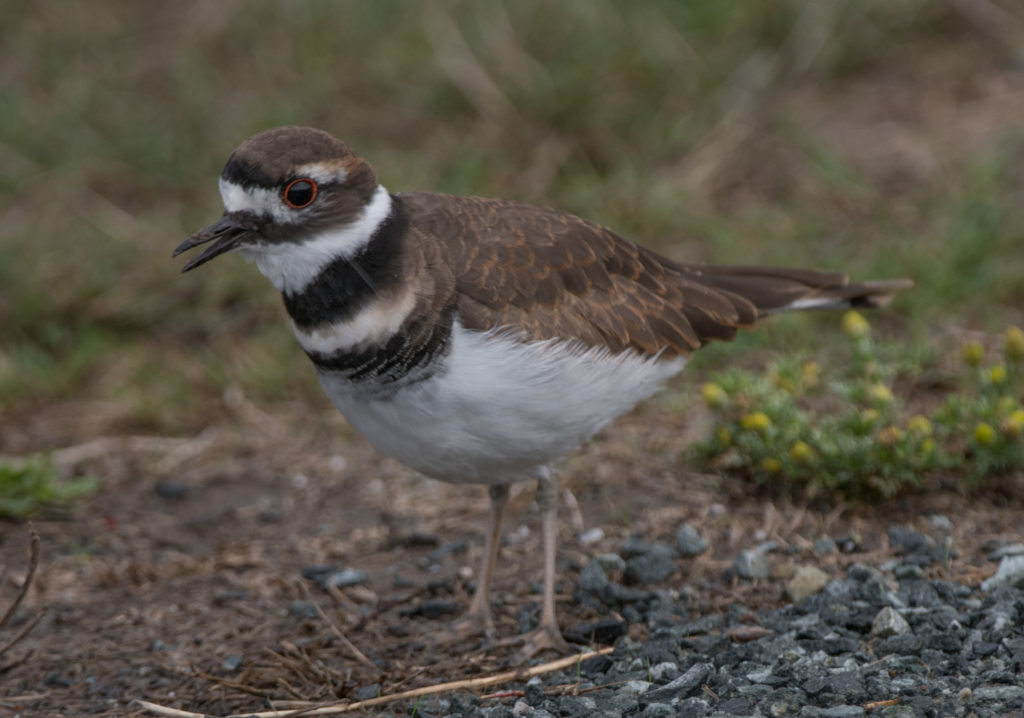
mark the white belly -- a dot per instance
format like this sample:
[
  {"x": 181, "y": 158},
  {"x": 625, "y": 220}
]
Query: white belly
[{"x": 499, "y": 409}]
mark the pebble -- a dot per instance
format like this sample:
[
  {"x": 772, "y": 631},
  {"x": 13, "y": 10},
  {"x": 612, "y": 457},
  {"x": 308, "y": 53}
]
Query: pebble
[
  {"x": 1009, "y": 573},
  {"x": 652, "y": 567},
  {"x": 807, "y": 581},
  {"x": 1013, "y": 549},
  {"x": 751, "y": 564},
  {"x": 888, "y": 622},
  {"x": 689, "y": 543}
]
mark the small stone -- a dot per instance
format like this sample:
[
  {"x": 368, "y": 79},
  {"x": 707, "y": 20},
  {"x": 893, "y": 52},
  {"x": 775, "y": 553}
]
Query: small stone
[
  {"x": 344, "y": 578},
  {"x": 689, "y": 543},
  {"x": 904, "y": 571},
  {"x": 365, "y": 693},
  {"x": 651, "y": 567},
  {"x": 302, "y": 609},
  {"x": 232, "y": 663},
  {"x": 940, "y": 523},
  {"x": 658, "y": 710},
  {"x": 591, "y": 536},
  {"x": 897, "y": 712},
  {"x": 593, "y": 578},
  {"x": 906, "y": 541},
  {"x": 432, "y": 608},
  {"x": 1013, "y": 549},
  {"x": 613, "y": 564},
  {"x": 172, "y": 490},
  {"x": 604, "y": 631},
  {"x": 999, "y": 693},
  {"x": 825, "y": 545},
  {"x": 1009, "y": 573},
  {"x": 807, "y": 581},
  {"x": 157, "y": 646},
  {"x": 751, "y": 565},
  {"x": 664, "y": 671},
  {"x": 843, "y": 711},
  {"x": 682, "y": 686},
  {"x": 889, "y": 622},
  {"x": 634, "y": 688}
]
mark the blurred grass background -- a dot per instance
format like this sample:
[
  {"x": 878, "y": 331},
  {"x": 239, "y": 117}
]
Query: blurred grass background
[{"x": 880, "y": 137}]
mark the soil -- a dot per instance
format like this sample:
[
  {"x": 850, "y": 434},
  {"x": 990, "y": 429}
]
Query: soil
[{"x": 182, "y": 581}]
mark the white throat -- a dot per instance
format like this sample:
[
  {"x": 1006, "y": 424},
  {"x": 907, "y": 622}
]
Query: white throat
[{"x": 291, "y": 266}]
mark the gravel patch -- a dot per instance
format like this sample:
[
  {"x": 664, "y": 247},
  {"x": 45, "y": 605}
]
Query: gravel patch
[{"x": 881, "y": 641}]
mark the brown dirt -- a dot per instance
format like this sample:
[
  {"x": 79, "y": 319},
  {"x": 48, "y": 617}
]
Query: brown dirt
[{"x": 146, "y": 596}]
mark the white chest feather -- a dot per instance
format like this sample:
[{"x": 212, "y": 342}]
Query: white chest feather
[{"x": 500, "y": 409}]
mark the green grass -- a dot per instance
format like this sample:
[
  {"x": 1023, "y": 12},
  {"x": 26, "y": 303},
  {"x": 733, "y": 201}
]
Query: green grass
[{"x": 116, "y": 116}]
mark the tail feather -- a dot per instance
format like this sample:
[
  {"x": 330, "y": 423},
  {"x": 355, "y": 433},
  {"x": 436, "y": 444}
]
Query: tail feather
[{"x": 772, "y": 290}]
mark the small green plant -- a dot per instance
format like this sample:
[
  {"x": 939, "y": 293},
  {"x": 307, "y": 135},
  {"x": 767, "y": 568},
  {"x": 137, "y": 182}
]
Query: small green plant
[
  {"x": 27, "y": 485},
  {"x": 850, "y": 434}
]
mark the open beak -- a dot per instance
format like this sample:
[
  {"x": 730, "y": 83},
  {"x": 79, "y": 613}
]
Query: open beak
[{"x": 227, "y": 233}]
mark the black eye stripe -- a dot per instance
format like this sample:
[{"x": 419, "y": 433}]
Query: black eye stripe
[{"x": 300, "y": 193}]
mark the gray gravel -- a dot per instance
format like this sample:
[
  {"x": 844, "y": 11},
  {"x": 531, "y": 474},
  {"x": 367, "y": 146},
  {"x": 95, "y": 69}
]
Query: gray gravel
[{"x": 881, "y": 641}]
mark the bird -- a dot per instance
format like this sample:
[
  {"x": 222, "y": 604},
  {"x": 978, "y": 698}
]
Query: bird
[{"x": 480, "y": 340}]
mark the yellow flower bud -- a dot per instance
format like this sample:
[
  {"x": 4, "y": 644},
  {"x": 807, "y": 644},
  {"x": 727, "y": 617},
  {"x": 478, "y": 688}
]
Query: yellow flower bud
[
  {"x": 758, "y": 421},
  {"x": 810, "y": 374},
  {"x": 855, "y": 325},
  {"x": 984, "y": 434},
  {"x": 1014, "y": 347},
  {"x": 801, "y": 452},
  {"x": 997, "y": 374},
  {"x": 880, "y": 394},
  {"x": 714, "y": 395},
  {"x": 1013, "y": 425},
  {"x": 1006, "y": 405},
  {"x": 928, "y": 445},
  {"x": 724, "y": 436},
  {"x": 771, "y": 465},
  {"x": 920, "y": 425},
  {"x": 973, "y": 354},
  {"x": 890, "y": 435},
  {"x": 869, "y": 416}
]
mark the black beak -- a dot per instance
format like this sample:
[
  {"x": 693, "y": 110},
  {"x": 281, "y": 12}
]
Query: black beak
[{"x": 226, "y": 233}]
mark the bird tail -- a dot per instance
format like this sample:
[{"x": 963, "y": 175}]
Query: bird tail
[{"x": 772, "y": 290}]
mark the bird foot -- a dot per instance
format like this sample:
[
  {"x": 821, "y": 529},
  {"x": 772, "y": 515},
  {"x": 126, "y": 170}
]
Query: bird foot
[{"x": 539, "y": 640}]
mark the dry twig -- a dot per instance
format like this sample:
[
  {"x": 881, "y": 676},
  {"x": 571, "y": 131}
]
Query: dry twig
[
  {"x": 33, "y": 562},
  {"x": 335, "y": 708}
]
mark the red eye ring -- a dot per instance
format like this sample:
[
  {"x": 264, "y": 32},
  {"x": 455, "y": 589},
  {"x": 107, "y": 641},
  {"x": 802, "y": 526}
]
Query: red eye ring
[{"x": 300, "y": 193}]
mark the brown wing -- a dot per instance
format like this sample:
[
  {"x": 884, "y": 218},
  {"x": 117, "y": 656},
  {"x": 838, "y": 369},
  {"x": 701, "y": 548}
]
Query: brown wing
[{"x": 550, "y": 275}]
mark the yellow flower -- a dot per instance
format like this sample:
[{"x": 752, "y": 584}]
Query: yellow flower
[
  {"x": 869, "y": 416},
  {"x": 928, "y": 445},
  {"x": 810, "y": 373},
  {"x": 1006, "y": 405},
  {"x": 997, "y": 374},
  {"x": 880, "y": 394},
  {"x": 920, "y": 425},
  {"x": 801, "y": 452},
  {"x": 724, "y": 436},
  {"x": 1013, "y": 425},
  {"x": 714, "y": 395},
  {"x": 890, "y": 435},
  {"x": 1014, "y": 347},
  {"x": 758, "y": 421},
  {"x": 771, "y": 465},
  {"x": 984, "y": 434},
  {"x": 973, "y": 353},
  {"x": 855, "y": 325}
]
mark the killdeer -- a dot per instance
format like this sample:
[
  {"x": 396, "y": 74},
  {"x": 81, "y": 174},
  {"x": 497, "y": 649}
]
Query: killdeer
[{"x": 479, "y": 340}]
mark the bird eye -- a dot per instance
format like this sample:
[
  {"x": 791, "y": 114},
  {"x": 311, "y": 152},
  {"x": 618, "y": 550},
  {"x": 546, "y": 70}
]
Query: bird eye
[{"x": 300, "y": 193}]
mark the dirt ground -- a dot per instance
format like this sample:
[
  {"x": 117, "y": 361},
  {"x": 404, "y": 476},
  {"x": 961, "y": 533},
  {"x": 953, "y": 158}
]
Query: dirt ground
[{"x": 178, "y": 582}]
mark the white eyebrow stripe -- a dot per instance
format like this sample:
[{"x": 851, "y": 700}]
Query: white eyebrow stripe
[{"x": 318, "y": 172}]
